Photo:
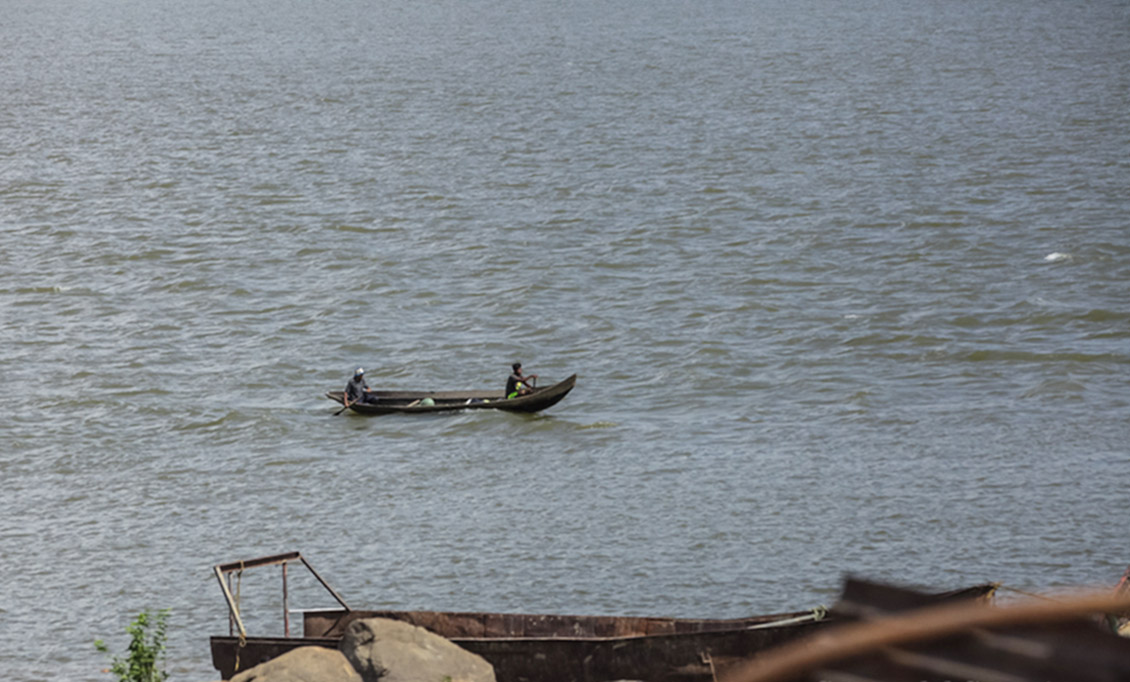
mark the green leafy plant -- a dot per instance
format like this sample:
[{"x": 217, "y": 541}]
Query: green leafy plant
[{"x": 145, "y": 658}]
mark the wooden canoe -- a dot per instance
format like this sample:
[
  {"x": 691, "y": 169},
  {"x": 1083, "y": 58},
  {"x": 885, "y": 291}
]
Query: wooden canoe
[{"x": 413, "y": 402}]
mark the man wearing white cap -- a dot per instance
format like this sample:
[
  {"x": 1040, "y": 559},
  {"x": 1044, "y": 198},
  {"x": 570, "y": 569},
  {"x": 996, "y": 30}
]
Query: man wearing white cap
[{"x": 357, "y": 391}]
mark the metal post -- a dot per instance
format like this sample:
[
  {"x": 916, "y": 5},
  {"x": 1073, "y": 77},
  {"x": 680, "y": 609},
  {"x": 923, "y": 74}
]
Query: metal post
[
  {"x": 231, "y": 615},
  {"x": 286, "y": 604},
  {"x": 233, "y": 608},
  {"x": 326, "y": 585}
]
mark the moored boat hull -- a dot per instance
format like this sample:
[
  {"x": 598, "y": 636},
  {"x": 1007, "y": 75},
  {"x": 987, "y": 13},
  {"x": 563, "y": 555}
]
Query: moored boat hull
[
  {"x": 539, "y": 648},
  {"x": 551, "y": 648}
]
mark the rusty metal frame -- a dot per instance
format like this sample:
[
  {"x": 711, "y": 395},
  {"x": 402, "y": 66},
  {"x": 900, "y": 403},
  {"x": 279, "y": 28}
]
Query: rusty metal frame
[{"x": 237, "y": 567}]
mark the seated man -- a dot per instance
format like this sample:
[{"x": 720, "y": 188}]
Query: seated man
[
  {"x": 357, "y": 391},
  {"x": 519, "y": 384}
]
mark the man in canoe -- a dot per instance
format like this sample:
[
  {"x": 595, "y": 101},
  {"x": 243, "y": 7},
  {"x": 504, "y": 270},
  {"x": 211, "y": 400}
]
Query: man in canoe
[
  {"x": 517, "y": 383},
  {"x": 357, "y": 391}
]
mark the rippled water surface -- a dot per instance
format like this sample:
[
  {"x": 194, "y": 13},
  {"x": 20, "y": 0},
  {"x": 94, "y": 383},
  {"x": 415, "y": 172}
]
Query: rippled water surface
[{"x": 845, "y": 284}]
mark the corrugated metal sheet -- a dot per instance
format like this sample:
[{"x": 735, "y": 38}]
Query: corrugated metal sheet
[{"x": 894, "y": 635}]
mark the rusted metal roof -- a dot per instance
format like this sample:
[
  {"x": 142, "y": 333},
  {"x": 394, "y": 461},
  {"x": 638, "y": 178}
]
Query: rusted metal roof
[{"x": 895, "y": 635}]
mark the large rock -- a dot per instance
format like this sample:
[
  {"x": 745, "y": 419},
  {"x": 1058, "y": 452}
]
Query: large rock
[
  {"x": 305, "y": 664},
  {"x": 392, "y": 651}
]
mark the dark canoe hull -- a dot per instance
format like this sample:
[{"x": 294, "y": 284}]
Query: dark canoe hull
[
  {"x": 407, "y": 402},
  {"x": 529, "y": 648}
]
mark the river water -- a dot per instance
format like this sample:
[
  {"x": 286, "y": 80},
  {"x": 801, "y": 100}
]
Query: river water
[{"x": 846, "y": 286}]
